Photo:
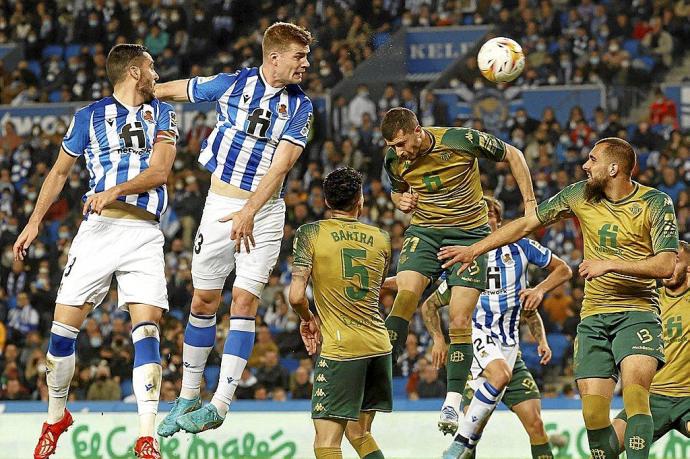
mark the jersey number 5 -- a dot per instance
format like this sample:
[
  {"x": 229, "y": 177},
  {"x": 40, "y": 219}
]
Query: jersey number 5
[{"x": 350, "y": 271}]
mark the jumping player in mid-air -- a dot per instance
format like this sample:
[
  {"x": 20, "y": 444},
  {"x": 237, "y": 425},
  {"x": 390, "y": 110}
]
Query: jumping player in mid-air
[
  {"x": 263, "y": 119},
  {"x": 128, "y": 141}
]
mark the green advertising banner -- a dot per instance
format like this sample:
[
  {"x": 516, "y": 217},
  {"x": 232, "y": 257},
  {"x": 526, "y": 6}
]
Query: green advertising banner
[{"x": 289, "y": 435}]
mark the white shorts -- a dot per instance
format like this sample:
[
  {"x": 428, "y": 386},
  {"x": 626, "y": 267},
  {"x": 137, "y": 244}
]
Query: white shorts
[
  {"x": 214, "y": 252},
  {"x": 487, "y": 349},
  {"x": 131, "y": 250}
]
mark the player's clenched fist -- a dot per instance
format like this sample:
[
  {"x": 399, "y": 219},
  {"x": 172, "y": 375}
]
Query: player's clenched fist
[{"x": 408, "y": 202}]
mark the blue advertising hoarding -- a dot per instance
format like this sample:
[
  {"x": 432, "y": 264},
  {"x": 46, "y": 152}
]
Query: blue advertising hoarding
[
  {"x": 429, "y": 50},
  {"x": 493, "y": 106}
]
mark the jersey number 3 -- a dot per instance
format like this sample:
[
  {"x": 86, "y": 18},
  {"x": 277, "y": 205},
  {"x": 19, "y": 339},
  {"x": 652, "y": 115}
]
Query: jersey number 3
[{"x": 350, "y": 271}]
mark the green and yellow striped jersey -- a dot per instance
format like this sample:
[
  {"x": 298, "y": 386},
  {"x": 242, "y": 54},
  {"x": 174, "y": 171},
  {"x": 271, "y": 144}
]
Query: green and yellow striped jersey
[
  {"x": 673, "y": 379},
  {"x": 447, "y": 177},
  {"x": 634, "y": 228}
]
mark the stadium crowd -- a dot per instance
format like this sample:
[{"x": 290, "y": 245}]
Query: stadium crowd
[{"x": 555, "y": 35}]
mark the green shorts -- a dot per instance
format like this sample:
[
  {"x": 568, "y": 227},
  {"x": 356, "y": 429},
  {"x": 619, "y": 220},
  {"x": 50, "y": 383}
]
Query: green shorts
[
  {"x": 668, "y": 413},
  {"x": 420, "y": 254},
  {"x": 343, "y": 388},
  {"x": 604, "y": 340},
  {"x": 521, "y": 387}
]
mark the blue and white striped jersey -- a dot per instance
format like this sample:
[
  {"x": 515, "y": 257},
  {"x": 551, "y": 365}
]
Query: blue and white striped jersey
[
  {"x": 252, "y": 118},
  {"x": 117, "y": 141},
  {"x": 498, "y": 310}
]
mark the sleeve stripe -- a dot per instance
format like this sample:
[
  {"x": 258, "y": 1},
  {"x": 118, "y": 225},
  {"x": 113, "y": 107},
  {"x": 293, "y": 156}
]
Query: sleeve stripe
[
  {"x": 190, "y": 93},
  {"x": 293, "y": 141},
  {"x": 68, "y": 151}
]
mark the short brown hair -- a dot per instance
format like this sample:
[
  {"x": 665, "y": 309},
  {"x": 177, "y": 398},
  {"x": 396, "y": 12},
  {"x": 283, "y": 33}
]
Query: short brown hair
[
  {"x": 620, "y": 152},
  {"x": 396, "y": 119},
  {"x": 282, "y": 34},
  {"x": 496, "y": 205},
  {"x": 120, "y": 58}
]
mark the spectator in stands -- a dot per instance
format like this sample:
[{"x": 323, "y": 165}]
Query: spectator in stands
[
  {"x": 662, "y": 107},
  {"x": 17, "y": 279},
  {"x": 301, "y": 387},
  {"x": 22, "y": 319},
  {"x": 389, "y": 99},
  {"x": 670, "y": 184},
  {"x": 429, "y": 385},
  {"x": 103, "y": 386},
  {"x": 247, "y": 385},
  {"x": 409, "y": 358},
  {"x": 360, "y": 105},
  {"x": 264, "y": 344},
  {"x": 14, "y": 390},
  {"x": 659, "y": 42},
  {"x": 271, "y": 374},
  {"x": 557, "y": 304}
]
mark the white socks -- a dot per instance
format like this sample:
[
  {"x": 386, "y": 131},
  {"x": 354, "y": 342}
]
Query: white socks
[{"x": 60, "y": 362}]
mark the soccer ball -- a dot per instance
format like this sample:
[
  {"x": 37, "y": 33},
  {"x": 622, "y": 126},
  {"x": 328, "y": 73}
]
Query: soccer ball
[{"x": 501, "y": 60}]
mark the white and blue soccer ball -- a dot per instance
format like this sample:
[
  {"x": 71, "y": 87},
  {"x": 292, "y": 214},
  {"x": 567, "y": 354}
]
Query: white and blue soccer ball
[{"x": 501, "y": 60}]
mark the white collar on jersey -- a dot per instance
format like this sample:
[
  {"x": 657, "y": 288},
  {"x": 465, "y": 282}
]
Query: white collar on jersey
[
  {"x": 263, "y": 79},
  {"x": 131, "y": 108}
]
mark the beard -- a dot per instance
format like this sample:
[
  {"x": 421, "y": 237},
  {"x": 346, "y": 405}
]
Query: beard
[
  {"x": 145, "y": 88},
  {"x": 594, "y": 190},
  {"x": 676, "y": 281}
]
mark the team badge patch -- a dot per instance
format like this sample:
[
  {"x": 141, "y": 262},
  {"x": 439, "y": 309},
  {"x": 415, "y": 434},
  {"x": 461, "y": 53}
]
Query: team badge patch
[
  {"x": 282, "y": 111},
  {"x": 148, "y": 116},
  {"x": 507, "y": 259},
  {"x": 305, "y": 129}
]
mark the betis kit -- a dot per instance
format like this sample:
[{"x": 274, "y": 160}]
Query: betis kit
[
  {"x": 669, "y": 398},
  {"x": 349, "y": 261},
  {"x": 619, "y": 312},
  {"x": 451, "y": 209}
]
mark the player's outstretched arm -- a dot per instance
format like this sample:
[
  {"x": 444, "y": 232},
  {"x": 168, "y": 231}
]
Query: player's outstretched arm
[
  {"x": 432, "y": 322},
  {"x": 50, "y": 190},
  {"x": 511, "y": 232},
  {"x": 659, "y": 266},
  {"x": 162, "y": 159},
  {"x": 297, "y": 297},
  {"x": 175, "y": 91},
  {"x": 559, "y": 273},
  {"x": 518, "y": 166},
  {"x": 285, "y": 156},
  {"x": 536, "y": 328}
]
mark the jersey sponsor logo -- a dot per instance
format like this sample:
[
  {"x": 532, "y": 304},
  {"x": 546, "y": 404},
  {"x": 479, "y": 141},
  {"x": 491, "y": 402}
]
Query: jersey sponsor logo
[
  {"x": 538, "y": 246},
  {"x": 259, "y": 122},
  {"x": 173, "y": 119},
  {"x": 608, "y": 239},
  {"x": 201, "y": 80},
  {"x": 305, "y": 129}
]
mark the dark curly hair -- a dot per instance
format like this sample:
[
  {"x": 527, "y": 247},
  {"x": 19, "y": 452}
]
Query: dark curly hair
[{"x": 342, "y": 188}]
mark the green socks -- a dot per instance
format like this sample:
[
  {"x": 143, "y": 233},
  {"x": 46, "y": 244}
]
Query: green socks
[
  {"x": 458, "y": 364},
  {"x": 542, "y": 451},
  {"x": 603, "y": 443},
  {"x": 638, "y": 436}
]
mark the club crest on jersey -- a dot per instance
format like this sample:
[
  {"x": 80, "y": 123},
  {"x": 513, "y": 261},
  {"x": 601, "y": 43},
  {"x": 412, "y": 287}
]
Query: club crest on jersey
[
  {"x": 282, "y": 111},
  {"x": 635, "y": 209},
  {"x": 148, "y": 116},
  {"x": 445, "y": 156},
  {"x": 507, "y": 259}
]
